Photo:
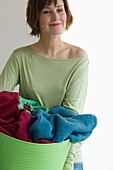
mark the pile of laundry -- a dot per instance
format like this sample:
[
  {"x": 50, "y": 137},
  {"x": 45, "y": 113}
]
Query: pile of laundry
[{"x": 26, "y": 120}]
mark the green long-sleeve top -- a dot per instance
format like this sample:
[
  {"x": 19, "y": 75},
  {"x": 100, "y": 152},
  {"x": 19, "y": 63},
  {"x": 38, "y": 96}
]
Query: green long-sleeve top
[{"x": 48, "y": 81}]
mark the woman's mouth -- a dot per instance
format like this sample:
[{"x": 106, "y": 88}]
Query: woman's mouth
[{"x": 55, "y": 24}]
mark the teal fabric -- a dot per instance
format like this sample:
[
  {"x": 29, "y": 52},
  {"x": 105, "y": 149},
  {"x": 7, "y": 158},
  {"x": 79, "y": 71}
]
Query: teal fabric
[
  {"x": 33, "y": 104},
  {"x": 61, "y": 124}
]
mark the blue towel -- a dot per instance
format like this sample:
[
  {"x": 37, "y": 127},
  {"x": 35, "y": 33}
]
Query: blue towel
[{"x": 60, "y": 124}]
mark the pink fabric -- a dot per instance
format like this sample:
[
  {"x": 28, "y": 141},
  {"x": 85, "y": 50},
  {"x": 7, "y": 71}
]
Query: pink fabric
[{"x": 14, "y": 122}]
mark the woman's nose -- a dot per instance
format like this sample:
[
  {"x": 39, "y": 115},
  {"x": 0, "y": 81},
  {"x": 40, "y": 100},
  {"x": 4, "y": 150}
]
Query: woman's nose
[{"x": 55, "y": 16}]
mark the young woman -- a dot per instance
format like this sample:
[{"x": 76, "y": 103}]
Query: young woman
[{"x": 50, "y": 71}]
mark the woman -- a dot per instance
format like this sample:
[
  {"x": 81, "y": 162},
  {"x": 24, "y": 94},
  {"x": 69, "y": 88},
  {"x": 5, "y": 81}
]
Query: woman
[{"x": 50, "y": 71}]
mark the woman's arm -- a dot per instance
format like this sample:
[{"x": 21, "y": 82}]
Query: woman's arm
[
  {"x": 9, "y": 77},
  {"x": 74, "y": 100}
]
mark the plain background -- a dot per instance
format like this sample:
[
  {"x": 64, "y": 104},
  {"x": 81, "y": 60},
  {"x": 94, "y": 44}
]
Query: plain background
[{"x": 92, "y": 30}]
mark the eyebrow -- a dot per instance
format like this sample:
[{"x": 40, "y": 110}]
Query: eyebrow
[{"x": 50, "y": 8}]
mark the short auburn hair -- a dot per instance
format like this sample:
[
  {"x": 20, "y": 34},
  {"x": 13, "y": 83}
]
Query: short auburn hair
[{"x": 33, "y": 10}]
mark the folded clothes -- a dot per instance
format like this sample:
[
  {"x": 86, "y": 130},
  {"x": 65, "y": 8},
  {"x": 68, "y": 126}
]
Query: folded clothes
[{"x": 60, "y": 124}]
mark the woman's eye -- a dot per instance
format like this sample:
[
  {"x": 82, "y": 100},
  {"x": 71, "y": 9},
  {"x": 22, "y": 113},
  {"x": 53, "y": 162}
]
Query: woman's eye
[
  {"x": 46, "y": 12},
  {"x": 59, "y": 10}
]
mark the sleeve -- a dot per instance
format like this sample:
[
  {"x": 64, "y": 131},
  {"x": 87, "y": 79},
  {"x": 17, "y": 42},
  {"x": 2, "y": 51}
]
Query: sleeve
[
  {"x": 75, "y": 100},
  {"x": 9, "y": 77},
  {"x": 77, "y": 87}
]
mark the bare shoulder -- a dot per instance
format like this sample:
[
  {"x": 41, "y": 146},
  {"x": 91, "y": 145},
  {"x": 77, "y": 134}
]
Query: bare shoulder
[
  {"x": 78, "y": 52},
  {"x": 81, "y": 52}
]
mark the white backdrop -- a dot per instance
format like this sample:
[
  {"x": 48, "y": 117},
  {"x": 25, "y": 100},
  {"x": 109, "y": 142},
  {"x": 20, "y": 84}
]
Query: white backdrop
[{"x": 93, "y": 31}]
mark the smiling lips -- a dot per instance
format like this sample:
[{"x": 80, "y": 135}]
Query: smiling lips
[{"x": 55, "y": 24}]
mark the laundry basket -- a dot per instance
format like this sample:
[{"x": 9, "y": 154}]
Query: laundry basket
[{"x": 19, "y": 155}]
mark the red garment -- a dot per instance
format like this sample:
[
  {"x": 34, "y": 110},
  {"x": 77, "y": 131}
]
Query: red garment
[
  {"x": 43, "y": 141},
  {"x": 27, "y": 107},
  {"x": 14, "y": 122}
]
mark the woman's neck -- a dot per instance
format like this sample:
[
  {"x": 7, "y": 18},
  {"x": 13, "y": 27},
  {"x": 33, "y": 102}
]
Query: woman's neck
[{"x": 50, "y": 46}]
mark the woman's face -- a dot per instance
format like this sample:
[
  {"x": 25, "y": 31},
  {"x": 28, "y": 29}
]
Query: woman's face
[{"x": 53, "y": 15}]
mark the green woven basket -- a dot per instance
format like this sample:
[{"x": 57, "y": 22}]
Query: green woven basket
[{"x": 19, "y": 155}]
